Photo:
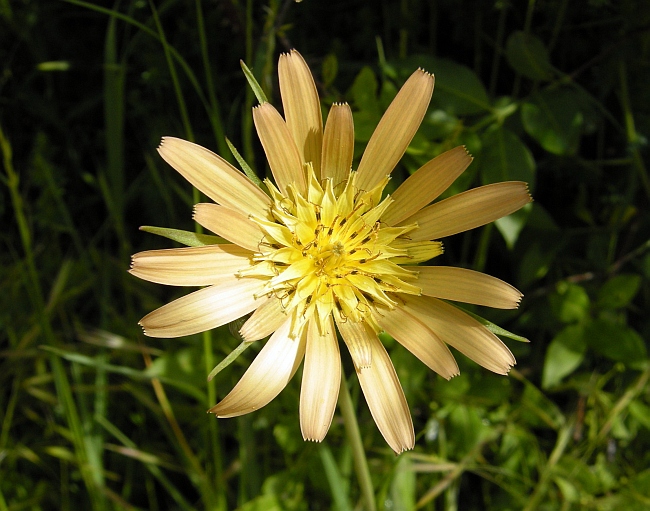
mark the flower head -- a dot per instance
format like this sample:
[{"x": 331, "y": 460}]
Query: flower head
[{"x": 325, "y": 250}]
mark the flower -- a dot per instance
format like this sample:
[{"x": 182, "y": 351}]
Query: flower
[{"x": 323, "y": 251}]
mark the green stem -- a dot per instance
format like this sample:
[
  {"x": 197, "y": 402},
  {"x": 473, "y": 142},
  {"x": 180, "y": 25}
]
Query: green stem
[
  {"x": 560, "y": 447},
  {"x": 630, "y": 129},
  {"x": 354, "y": 438},
  {"x": 172, "y": 72}
]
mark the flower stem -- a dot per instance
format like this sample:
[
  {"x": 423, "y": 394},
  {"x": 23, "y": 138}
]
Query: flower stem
[{"x": 354, "y": 438}]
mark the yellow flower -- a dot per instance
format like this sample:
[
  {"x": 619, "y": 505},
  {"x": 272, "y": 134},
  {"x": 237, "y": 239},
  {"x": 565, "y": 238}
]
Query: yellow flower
[{"x": 322, "y": 251}]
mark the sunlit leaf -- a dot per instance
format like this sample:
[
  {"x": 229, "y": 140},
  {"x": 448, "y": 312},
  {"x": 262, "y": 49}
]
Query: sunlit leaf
[
  {"x": 564, "y": 355},
  {"x": 618, "y": 291},
  {"x": 554, "y": 119}
]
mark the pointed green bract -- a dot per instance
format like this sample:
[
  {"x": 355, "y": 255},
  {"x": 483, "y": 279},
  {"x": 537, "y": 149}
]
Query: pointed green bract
[{"x": 190, "y": 239}]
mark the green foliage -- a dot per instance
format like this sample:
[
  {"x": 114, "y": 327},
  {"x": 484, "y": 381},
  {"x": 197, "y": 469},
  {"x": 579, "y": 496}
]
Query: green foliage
[{"x": 96, "y": 416}]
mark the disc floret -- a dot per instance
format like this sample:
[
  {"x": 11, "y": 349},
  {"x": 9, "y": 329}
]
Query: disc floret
[{"x": 327, "y": 253}]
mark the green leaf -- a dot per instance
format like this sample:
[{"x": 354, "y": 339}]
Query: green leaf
[
  {"x": 505, "y": 158},
  {"x": 257, "y": 89},
  {"x": 511, "y": 226},
  {"x": 329, "y": 69},
  {"x": 337, "y": 482},
  {"x": 555, "y": 120},
  {"x": 615, "y": 341},
  {"x": 188, "y": 238},
  {"x": 402, "y": 487},
  {"x": 618, "y": 291},
  {"x": 527, "y": 55},
  {"x": 495, "y": 329},
  {"x": 364, "y": 92},
  {"x": 458, "y": 90},
  {"x": 564, "y": 355},
  {"x": 232, "y": 356},
  {"x": 250, "y": 173},
  {"x": 570, "y": 302}
]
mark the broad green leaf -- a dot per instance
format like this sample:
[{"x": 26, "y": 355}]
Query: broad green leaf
[
  {"x": 618, "y": 291},
  {"x": 458, "y": 90},
  {"x": 570, "y": 302},
  {"x": 505, "y": 157},
  {"x": 615, "y": 341},
  {"x": 188, "y": 238},
  {"x": 640, "y": 412},
  {"x": 528, "y": 56},
  {"x": 554, "y": 119},
  {"x": 329, "y": 69},
  {"x": 511, "y": 226},
  {"x": 364, "y": 92},
  {"x": 564, "y": 355}
]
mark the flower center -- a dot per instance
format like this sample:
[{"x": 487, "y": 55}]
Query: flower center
[{"x": 325, "y": 252}]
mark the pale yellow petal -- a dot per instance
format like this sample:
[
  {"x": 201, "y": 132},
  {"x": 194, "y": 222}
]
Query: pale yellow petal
[
  {"x": 229, "y": 224},
  {"x": 205, "y": 309},
  {"x": 281, "y": 151},
  {"x": 419, "y": 340},
  {"x": 190, "y": 266},
  {"x": 266, "y": 319},
  {"x": 355, "y": 336},
  {"x": 321, "y": 380},
  {"x": 395, "y": 130},
  {"x": 214, "y": 176},
  {"x": 385, "y": 398},
  {"x": 338, "y": 144},
  {"x": 426, "y": 184},
  {"x": 463, "y": 285},
  {"x": 301, "y": 107},
  {"x": 462, "y": 332},
  {"x": 267, "y": 375},
  {"x": 468, "y": 210}
]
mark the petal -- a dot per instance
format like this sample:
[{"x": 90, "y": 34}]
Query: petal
[
  {"x": 266, "y": 319},
  {"x": 468, "y": 286},
  {"x": 321, "y": 381},
  {"x": 419, "y": 340},
  {"x": 386, "y": 400},
  {"x": 301, "y": 107},
  {"x": 338, "y": 144},
  {"x": 281, "y": 151},
  {"x": 267, "y": 375},
  {"x": 190, "y": 266},
  {"x": 355, "y": 336},
  {"x": 426, "y": 184},
  {"x": 214, "y": 176},
  {"x": 468, "y": 210},
  {"x": 395, "y": 130},
  {"x": 205, "y": 309},
  {"x": 229, "y": 224},
  {"x": 462, "y": 332}
]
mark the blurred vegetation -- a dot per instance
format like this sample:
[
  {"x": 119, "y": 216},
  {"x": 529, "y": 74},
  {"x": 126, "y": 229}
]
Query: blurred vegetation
[{"x": 95, "y": 416}]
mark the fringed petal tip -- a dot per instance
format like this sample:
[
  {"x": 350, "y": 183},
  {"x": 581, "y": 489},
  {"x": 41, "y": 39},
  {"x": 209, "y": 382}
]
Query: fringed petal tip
[
  {"x": 424, "y": 71},
  {"x": 315, "y": 440},
  {"x": 456, "y": 373}
]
